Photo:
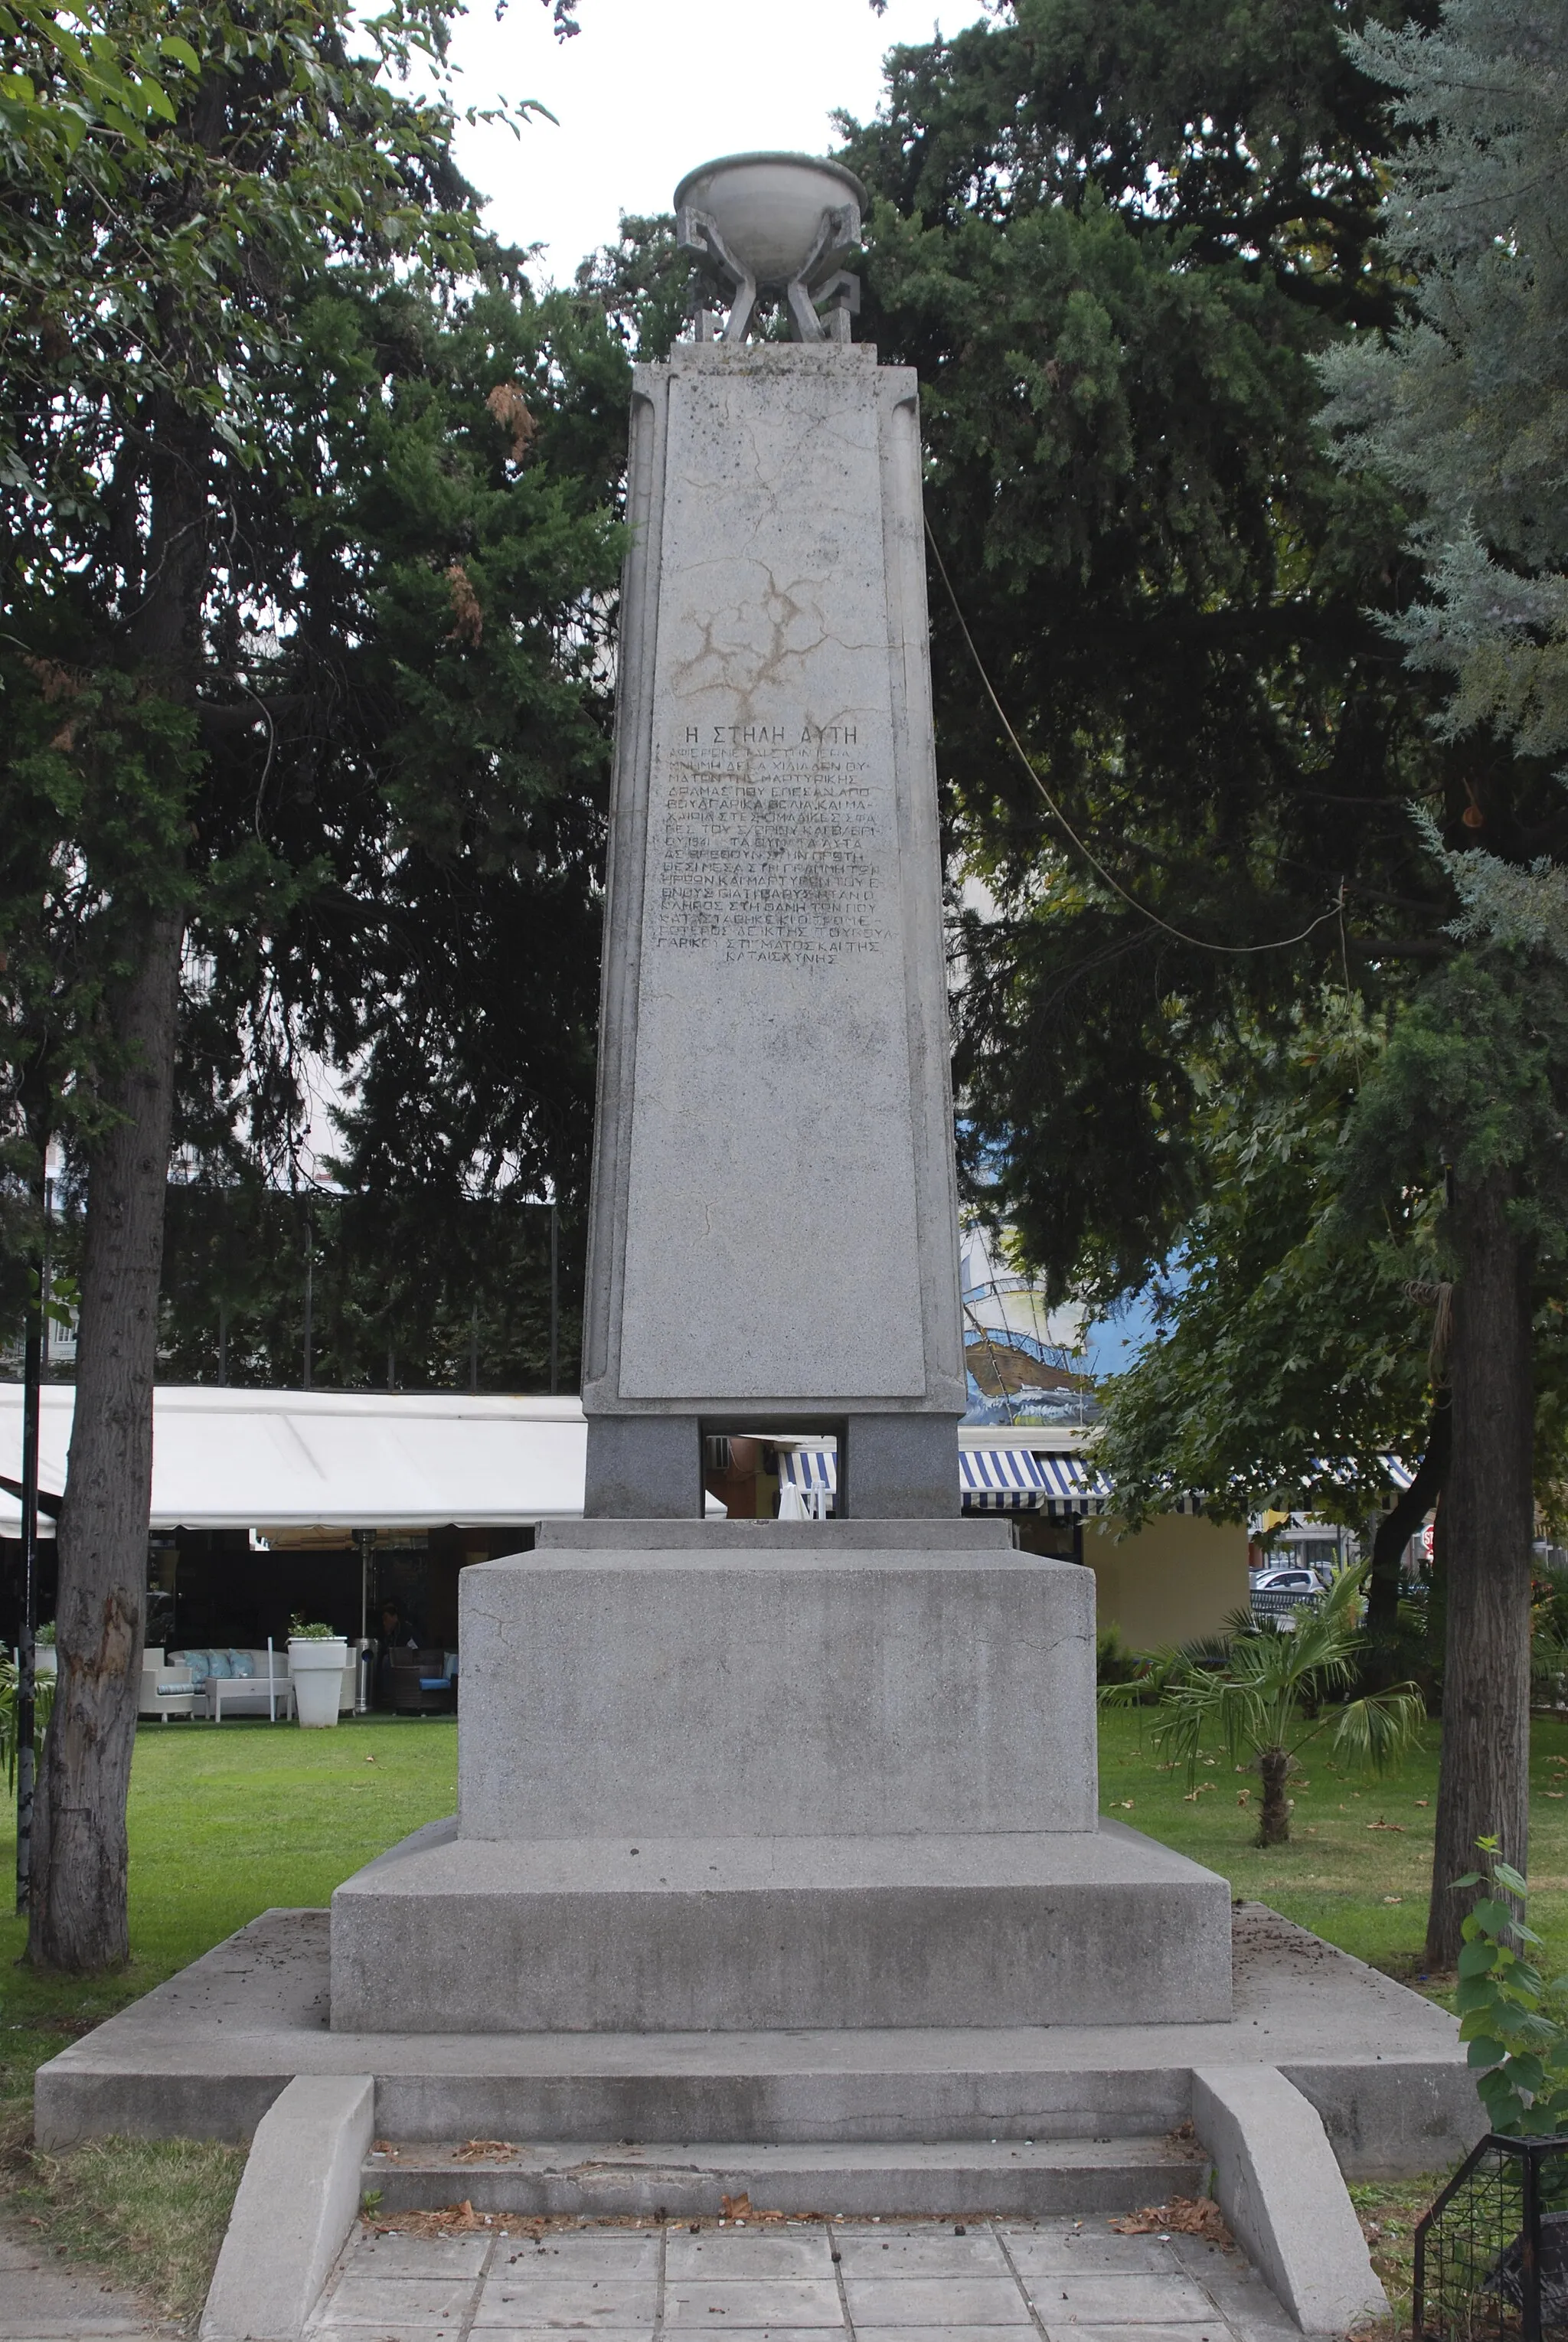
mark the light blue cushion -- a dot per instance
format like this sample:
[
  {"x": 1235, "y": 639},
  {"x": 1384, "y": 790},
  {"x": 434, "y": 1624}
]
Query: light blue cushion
[
  {"x": 242, "y": 1664},
  {"x": 195, "y": 1660},
  {"x": 218, "y": 1664}
]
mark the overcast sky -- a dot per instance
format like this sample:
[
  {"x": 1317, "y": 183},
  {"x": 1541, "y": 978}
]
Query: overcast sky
[{"x": 650, "y": 88}]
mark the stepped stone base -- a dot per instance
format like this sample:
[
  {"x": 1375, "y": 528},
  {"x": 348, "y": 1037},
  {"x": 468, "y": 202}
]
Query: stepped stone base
[
  {"x": 713, "y": 1777},
  {"x": 725, "y": 1934},
  {"x": 204, "y": 2056}
]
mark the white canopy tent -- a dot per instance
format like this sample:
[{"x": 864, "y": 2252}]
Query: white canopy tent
[{"x": 224, "y": 1458}]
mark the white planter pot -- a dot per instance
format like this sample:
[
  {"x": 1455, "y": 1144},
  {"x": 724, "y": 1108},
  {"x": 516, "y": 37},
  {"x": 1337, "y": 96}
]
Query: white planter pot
[{"x": 316, "y": 1670}]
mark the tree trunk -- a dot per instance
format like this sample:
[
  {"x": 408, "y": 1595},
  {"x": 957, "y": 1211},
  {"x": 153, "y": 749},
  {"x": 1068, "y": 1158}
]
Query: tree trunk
[
  {"x": 78, "y": 1910},
  {"x": 1488, "y": 1516},
  {"x": 1404, "y": 1516},
  {"x": 1275, "y": 1822}
]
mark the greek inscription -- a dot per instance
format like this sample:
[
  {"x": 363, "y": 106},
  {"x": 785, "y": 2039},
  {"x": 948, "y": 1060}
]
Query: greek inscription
[{"x": 768, "y": 851}]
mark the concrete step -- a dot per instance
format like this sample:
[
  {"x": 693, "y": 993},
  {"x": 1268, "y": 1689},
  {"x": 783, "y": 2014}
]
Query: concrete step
[
  {"x": 795, "y": 2088},
  {"x": 935, "y": 2178}
]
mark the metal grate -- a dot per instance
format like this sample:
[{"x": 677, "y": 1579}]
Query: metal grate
[
  {"x": 1270, "y": 1604},
  {"x": 1492, "y": 2254}
]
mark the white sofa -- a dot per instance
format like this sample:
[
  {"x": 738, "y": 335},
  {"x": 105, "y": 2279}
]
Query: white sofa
[
  {"x": 166, "y": 1689},
  {"x": 170, "y": 1688}
]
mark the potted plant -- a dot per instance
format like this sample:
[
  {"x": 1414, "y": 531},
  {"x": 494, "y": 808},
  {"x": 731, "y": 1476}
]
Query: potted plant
[{"x": 316, "y": 1660}]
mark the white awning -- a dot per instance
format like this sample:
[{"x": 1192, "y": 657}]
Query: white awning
[{"x": 224, "y": 1458}]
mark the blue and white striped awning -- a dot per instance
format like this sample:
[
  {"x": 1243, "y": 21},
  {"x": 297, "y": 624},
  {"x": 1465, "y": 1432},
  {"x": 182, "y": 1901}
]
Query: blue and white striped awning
[
  {"x": 1073, "y": 1489},
  {"x": 1003, "y": 1478},
  {"x": 809, "y": 1468},
  {"x": 1000, "y": 1480},
  {"x": 1399, "y": 1473}
]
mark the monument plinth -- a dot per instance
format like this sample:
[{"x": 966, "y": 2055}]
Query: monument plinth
[{"x": 757, "y": 1775}]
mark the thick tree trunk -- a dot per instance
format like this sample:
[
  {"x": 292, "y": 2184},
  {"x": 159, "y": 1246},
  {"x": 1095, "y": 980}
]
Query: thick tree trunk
[
  {"x": 1275, "y": 1821},
  {"x": 1488, "y": 1517},
  {"x": 77, "y": 1908},
  {"x": 1404, "y": 1516}
]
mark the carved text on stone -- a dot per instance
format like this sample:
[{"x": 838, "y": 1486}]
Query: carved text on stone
[{"x": 768, "y": 849}]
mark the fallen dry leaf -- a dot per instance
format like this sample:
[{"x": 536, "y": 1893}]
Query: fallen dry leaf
[
  {"x": 451, "y": 2220},
  {"x": 474, "y": 2150},
  {"x": 1184, "y": 2216},
  {"x": 736, "y": 2207},
  {"x": 1381, "y": 1824}
]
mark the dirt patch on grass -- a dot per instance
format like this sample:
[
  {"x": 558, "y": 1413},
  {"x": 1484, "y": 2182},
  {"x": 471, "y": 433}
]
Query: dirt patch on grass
[
  {"x": 1388, "y": 2210},
  {"x": 149, "y": 2212}
]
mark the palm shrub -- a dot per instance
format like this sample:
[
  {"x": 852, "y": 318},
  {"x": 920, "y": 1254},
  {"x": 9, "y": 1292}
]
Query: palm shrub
[{"x": 1270, "y": 1692}]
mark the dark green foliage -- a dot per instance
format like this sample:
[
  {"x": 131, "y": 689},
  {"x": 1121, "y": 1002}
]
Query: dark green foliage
[
  {"x": 410, "y": 1290},
  {"x": 640, "y": 282},
  {"x": 1298, "y": 1350},
  {"x": 366, "y": 763},
  {"x": 308, "y": 554},
  {"x": 1115, "y": 1662},
  {"x": 1467, "y": 407},
  {"x": 1294, "y": 1357},
  {"x": 1474, "y": 1080},
  {"x": 1114, "y": 239},
  {"x": 438, "y": 765}
]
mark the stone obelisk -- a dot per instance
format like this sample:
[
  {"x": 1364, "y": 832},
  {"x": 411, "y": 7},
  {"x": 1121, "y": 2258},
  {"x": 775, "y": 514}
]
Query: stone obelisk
[
  {"x": 773, "y": 1236},
  {"x": 734, "y": 1775}
]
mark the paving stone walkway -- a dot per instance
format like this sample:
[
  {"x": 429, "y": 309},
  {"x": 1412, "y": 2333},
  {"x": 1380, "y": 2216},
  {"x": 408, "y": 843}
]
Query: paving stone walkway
[
  {"x": 43, "y": 2299},
  {"x": 887, "y": 2281}
]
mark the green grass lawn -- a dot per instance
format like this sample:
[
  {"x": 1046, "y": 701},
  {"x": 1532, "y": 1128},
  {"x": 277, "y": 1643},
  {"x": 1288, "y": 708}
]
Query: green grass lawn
[
  {"x": 225, "y": 1821},
  {"x": 1358, "y": 1868},
  {"x": 229, "y": 1819}
]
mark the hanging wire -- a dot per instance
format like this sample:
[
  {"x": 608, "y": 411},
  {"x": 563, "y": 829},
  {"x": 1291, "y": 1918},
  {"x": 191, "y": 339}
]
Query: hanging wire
[{"x": 1230, "y": 951}]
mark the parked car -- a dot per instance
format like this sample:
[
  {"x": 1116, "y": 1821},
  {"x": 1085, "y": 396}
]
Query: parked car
[{"x": 1287, "y": 1581}]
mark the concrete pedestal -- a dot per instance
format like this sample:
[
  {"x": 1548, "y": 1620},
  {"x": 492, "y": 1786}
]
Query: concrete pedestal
[{"x": 754, "y": 1774}]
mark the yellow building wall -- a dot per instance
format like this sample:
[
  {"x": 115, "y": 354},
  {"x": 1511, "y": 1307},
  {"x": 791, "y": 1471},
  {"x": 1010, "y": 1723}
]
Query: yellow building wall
[{"x": 1177, "y": 1577}]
